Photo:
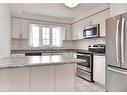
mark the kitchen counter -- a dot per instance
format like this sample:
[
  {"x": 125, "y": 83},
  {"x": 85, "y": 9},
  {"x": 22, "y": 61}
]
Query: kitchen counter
[
  {"x": 38, "y": 73},
  {"x": 99, "y": 54},
  {"x": 28, "y": 61},
  {"x": 61, "y": 50}
]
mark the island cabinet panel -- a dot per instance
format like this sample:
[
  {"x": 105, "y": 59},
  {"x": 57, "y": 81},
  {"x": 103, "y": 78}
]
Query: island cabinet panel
[
  {"x": 49, "y": 78},
  {"x": 15, "y": 79},
  {"x": 42, "y": 78},
  {"x": 65, "y": 75}
]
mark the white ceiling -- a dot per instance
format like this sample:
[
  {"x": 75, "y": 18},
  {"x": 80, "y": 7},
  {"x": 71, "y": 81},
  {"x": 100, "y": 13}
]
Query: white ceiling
[{"x": 53, "y": 9}]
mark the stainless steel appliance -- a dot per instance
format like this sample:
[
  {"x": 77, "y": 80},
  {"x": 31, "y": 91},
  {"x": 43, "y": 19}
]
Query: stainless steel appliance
[
  {"x": 97, "y": 48},
  {"x": 116, "y": 53},
  {"x": 91, "y": 31},
  {"x": 85, "y": 70}
]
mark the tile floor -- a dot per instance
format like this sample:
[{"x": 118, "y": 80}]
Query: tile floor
[{"x": 85, "y": 86}]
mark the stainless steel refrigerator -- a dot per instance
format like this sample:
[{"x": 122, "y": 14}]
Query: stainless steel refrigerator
[{"x": 116, "y": 53}]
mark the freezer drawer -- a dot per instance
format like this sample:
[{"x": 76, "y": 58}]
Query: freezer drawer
[{"x": 116, "y": 80}]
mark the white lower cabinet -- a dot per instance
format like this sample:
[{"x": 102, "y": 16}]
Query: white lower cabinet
[
  {"x": 99, "y": 69},
  {"x": 48, "y": 78},
  {"x": 15, "y": 79},
  {"x": 65, "y": 76},
  {"x": 42, "y": 78}
]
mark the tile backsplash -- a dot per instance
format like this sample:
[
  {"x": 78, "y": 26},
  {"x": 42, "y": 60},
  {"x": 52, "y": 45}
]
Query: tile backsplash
[
  {"x": 73, "y": 44},
  {"x": 84, "y": 43}
]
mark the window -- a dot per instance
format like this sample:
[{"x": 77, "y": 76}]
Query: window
[
  {"x": 35, "y": 36},
  {"x": 45, "y": 36},
  {"x": 55, "y": 36}
]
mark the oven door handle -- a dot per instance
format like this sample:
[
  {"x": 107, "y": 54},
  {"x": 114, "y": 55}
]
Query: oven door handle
[{"x": 83, "y": 54}]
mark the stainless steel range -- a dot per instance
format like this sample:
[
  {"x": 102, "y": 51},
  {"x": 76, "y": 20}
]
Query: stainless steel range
[
  {"x": 85, "y": 70},
  {"x": 97, "y": 48}
]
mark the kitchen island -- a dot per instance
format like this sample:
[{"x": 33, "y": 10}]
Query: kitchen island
[{"x": 38, "y": 73}]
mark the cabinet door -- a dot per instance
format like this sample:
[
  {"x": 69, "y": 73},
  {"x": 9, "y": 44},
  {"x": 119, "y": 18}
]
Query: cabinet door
[
  {"x": 65, "y": 75},
  {"x": 99, "y": 69},
  {"x": 103, "y": 17},
  {"x": 16, "y": 28},
  {"x": 67, "y": 32},
  {"x": 24, "y": 29},
  {"x": 74, "y": 31},
  {"x": 15, "y": 79},
  {"x": 42, "y": 78}
]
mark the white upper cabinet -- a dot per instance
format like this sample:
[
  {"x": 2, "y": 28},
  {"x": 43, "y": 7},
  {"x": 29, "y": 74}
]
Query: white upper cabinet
[
  {"x": 20, "y": 28},
  {"x": 24, "y": 29},
  {"x": 77, "y": 28},
  {"x": 16, "y": 28},
  {"x": 67, "y": 32}
]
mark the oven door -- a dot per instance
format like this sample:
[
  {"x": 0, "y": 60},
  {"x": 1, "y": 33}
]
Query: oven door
[{"x": 86, "y": 57}]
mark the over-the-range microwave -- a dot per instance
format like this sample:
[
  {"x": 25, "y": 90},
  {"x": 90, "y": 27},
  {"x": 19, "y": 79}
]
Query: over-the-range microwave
[{"x": 91, "y": 31}]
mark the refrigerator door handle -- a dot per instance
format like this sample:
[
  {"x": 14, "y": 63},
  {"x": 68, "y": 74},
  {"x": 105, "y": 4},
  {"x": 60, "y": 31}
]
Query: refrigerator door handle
[
  {"x": 122, "y": 40},
  {"x": 117, "y": 41},
  {"x": 118, "y": 71}
]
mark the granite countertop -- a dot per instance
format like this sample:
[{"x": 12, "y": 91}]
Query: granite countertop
[
  {"x": 57, "y": 50},
  {"x": 99, "y": 54},
  {"x": 28, "y": 61}
]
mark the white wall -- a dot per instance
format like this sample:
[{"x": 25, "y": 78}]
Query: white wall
[
  {"x": 117, "y": 8},
  {"x": 4, "y": 30}
]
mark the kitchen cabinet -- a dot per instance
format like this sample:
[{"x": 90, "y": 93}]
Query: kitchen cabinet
[
  {"x": 16, "y": 28},
  {"x": 101, "y": 19},
  {"x": 77, "y": 28},
  {"x": 45, "y": 78},
  {"x": 99, "y": 69},
  {"x": 67, "y": 32},
  {"x": 24, "y": 29},
  {"x": 14, "y": 79},
  {"x": 63, "y": 73},
  {"x": 20, "y": 28},
  {"x": 42, "y": 78}
]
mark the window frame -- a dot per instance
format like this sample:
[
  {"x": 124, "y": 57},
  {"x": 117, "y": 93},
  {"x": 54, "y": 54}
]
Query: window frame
[{"x": 50, "y": 35}]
